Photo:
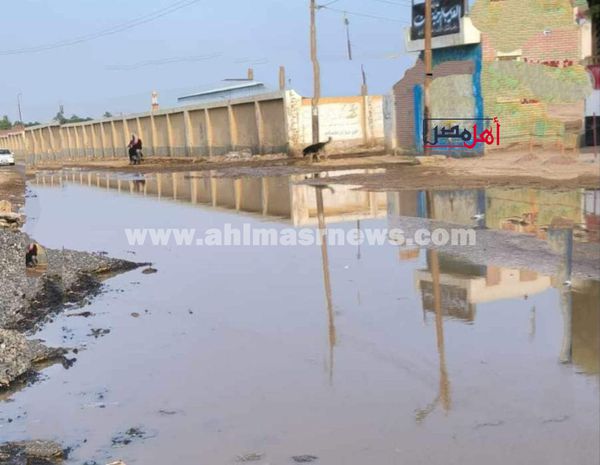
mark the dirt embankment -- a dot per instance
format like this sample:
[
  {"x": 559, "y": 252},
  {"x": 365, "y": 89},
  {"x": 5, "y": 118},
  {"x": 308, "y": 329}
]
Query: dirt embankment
[
  {"x": 515, "y": 169},
  {"x": 538, "y": 169}
]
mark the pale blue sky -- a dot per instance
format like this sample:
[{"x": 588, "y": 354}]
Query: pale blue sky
[{"x": 271, "y": 32}]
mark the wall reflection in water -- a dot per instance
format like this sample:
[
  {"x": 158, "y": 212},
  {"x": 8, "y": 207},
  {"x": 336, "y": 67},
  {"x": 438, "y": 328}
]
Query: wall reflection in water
[
  {"x": 278, "y": 197},
  {"x": 450, "y": 287}
]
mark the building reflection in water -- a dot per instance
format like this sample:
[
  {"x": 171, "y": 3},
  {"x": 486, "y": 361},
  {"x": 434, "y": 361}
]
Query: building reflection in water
[{"x": 450, "y": 287}]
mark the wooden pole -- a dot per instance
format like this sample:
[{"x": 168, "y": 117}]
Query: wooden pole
[
  {"x": 594, "y": 135},
  {"x": 364, "y": 92},
  {"x": 316, "y": 72},
  {"x": 428, "y": 73},
  {"x": 349, "y": 44},
  {"x": 282, "y": 78}
]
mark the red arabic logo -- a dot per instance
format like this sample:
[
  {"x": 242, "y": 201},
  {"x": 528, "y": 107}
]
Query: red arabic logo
[{"x": 469, "y": 136}]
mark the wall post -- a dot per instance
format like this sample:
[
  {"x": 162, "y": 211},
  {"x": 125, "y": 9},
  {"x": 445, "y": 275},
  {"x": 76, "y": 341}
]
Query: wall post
[
  {"x": 188, "y": 133},
  {"x": 170, "y": 136},
  {"x": 233, "y": 131},
  {"x": 209, "y": 132},
  {"x": 260, "y": 125}
]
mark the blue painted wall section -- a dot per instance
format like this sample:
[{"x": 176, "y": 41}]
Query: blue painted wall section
[{"x": 418, "y": 112}]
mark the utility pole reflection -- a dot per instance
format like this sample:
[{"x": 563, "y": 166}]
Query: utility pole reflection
[
  {"x": 326, "y": 278},
  {"x": 444, "y": 395}
]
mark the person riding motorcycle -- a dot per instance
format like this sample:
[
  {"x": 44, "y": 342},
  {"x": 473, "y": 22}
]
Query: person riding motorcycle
[{"x": 135, "y": 150}]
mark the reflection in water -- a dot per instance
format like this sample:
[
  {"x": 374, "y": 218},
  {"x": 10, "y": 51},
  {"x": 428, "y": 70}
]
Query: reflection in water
[
  {"x": 277, "y": 197},
  {"x": 524, "y": 210},
  {"x": 444, "y": 390},
  {"x": 532, "y": 323},
  {"x": 444, "y": 381},
  {"x": 249, "y": 352},
  {"x": 585, "y": 326},
  {"x": 449, "y": 286},
  {"x": 326, "y": 279},
  {"x": 561, "y": 240}
]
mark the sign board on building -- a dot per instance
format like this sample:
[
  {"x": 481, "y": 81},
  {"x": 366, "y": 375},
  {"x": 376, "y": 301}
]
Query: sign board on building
[{"x": 445, "y": 18}]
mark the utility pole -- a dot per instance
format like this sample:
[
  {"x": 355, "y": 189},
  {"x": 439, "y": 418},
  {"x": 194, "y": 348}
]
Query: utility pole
[
  {"x": 347, "y": 23},
  {"x": 316, "y": 71},
  {"x": 428, "y": 75},
  {"x": 19, "y": 106},
  {"x": 595, "y": 136},
  {"x": 364, "y": 92},
  {"x": 282, "y": 78}
]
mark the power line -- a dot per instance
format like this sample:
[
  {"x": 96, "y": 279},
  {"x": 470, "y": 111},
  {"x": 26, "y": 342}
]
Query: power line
[
  {"x": 390, "y": 2},
  {"x": 364, "y": 15},
  {"x": 163, "y": 61},
  {"x": 180, "y": 4}
]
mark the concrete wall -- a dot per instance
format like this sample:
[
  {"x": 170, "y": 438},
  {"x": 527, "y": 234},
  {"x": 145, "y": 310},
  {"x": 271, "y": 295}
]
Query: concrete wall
[
  {"x": 349, "y": 121},
  {"x": 409, "y": 128},
  {"x": 278, "y": 122}
]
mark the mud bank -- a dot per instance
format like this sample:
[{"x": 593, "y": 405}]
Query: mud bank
[
  {"x": 70, "y": 278},
  {"x": 12, "y": 185},
  {"x": 27, "y": 300},
  {"x": 19, "y": 356},
  {"x": 170, "y": 164},
  {"x": 32, "y": 452},
  {"x": 542, "y": 169},
  {"x": 548, "y": 171}
]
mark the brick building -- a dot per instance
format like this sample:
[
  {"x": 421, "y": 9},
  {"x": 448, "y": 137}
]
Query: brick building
[{"x": 521, "y": 61}]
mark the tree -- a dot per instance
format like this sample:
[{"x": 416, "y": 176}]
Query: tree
[
  {"x": 5, "y": 123},
  {"x": 107, "y": 114},
  {"x": 60, "y": 117},
  {"x": 77, "y": 119}
]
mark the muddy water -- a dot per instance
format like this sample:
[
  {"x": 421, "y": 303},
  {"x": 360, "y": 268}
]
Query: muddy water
[{"x": 228, "y": 351}]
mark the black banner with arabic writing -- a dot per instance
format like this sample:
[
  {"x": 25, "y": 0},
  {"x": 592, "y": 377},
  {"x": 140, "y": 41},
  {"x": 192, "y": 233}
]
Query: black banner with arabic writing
[{"x": 445, "y": 18}]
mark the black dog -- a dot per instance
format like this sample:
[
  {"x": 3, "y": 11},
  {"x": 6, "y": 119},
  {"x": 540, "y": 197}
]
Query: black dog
[{"x": 314, "y": 150}]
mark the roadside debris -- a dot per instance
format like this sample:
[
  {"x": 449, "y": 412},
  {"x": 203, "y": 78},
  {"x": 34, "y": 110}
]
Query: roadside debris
[
  {"x": 132, "y": 434},
  {"x": 81, "y": 314},
  {"x": 98, "y": 332},
  {"x": 252, "y": 457},
  {"x": 304, "y": 458}
]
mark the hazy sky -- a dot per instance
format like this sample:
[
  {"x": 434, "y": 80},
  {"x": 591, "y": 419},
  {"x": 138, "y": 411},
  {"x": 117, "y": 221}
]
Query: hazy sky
[{"x": 112, "y": 73}]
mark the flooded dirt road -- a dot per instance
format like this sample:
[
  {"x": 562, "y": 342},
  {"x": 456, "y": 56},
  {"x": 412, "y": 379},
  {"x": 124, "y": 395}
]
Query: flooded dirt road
[{"x": 379, "y": 354}]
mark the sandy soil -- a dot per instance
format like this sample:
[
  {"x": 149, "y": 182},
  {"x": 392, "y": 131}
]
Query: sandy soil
[
  {"x": 12, "y": 185},
  {"x": 541, "y": 169}
]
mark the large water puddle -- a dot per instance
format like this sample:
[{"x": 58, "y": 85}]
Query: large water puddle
[{"x": 370, "y": 354}]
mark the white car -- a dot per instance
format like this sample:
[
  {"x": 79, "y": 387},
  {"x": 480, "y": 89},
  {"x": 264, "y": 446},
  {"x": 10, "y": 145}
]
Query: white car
[{"x": 6, "y": 157}]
